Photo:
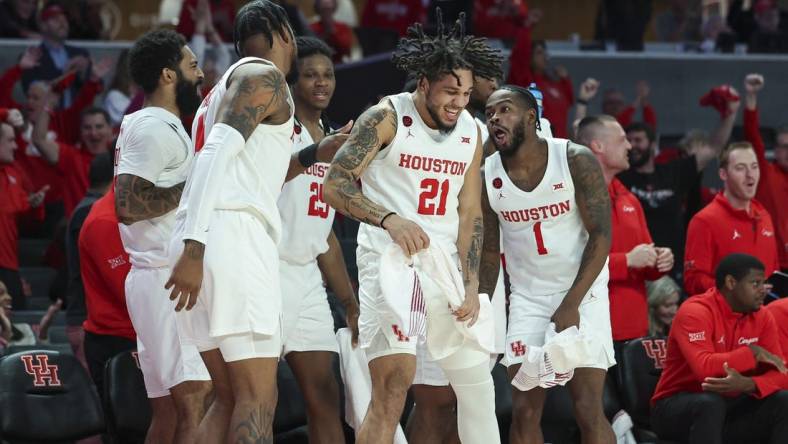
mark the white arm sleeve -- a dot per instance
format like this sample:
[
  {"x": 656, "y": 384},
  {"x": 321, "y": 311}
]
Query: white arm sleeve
[{"x": 223, "y": 144}]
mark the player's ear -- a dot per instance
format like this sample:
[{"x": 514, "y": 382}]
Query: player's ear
[{"x": 168, "y": 76}]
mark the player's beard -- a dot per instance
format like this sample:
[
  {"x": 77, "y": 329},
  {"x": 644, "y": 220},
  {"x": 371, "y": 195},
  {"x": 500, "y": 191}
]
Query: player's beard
[
  {"x": 435, "y": 114},
  {"x": 187, "y": 95},
  {"x": 517, "y": 140}
]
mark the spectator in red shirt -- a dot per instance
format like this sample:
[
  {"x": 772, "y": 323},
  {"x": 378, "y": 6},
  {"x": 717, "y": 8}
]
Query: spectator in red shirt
[
  {"x": 104, "y": 265},
  {"x": 734, "y": 222},
  {"x": 336, "y": 34},
  {"x": 222, "y": 12},
  {"x": 614, "y": 104},
  {"x": 528, "y": 64},
  {"x": 395, "y": 15},
  {"x": 503, "y": 19},
  {"x": 73, "y": 162},
  {"x": 779, "y": 311},
  {"x": 724, "y": 372},
  {"x": 633, "y": 256},
  {"x": 773, "y": 186},
  {"x": 16, "y": 198}
]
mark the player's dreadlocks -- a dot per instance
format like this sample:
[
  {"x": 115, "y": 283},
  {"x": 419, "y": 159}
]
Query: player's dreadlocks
[
  {"x": 432, "y": 57},
  {"x": 258, "y": 17}
]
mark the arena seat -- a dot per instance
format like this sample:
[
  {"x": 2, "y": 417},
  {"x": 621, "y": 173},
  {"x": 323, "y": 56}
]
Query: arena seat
[
  {"x": 40, "y": 279},
  {"x": 37, "y": 388},
  {"x": 125, "y": 400},
  {"x": 640, "y": 367},
  {"x": 64, "y": 349},
  {"x": 33, "y": 317},
  {"x": 57, "y": 334}
]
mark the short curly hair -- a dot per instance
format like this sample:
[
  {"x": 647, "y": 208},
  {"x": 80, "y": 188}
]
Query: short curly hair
[
  {"x": 421, "y": 55},
  {"x": 152, "y": 53},
  {"x": 309, "y": 46}
]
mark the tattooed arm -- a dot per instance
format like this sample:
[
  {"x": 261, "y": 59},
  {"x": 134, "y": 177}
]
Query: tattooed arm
[
  {"x": 257, "y": 93},
  {"x": 137, "y": 199},
  {"x": 593, "y": 202},
  {"x": 470, "y": 236},
  {"x": 490, "y": 264}
]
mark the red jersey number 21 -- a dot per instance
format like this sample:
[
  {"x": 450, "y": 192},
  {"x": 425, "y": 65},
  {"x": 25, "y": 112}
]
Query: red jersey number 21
[{"x": 431, "y": 188}]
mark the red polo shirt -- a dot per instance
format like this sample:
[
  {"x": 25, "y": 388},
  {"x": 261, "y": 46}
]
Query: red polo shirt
[
  {"x": 705, "y": 334},
  {"x": 104, "y": 265},
  {"x": 627, "y": 286},
  {"x": 15, "y": 187},
  {"x": 74, "y": 164},
  {"x": 719, "y": 230},
  {"x": 396, "y": 15},
  {"x": 772, "y": 187},
  {"x": 779, "y": 311}
]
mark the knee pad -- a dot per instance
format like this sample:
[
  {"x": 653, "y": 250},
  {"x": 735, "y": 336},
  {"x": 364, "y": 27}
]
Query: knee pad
[{"x": 476, "y": 420}]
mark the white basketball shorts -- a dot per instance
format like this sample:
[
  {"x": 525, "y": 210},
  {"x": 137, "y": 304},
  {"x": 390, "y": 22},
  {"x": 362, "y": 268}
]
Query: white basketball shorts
[
  {"x": 239, "y": 306},
  {"x": 529, "y": 317},
  {"x": 165, "y": 360},
  {"x": 307, "y": 323}
]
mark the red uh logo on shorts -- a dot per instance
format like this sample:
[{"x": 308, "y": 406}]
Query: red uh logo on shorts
[
  {"x": 44, "y": 374},
  {"x": 518, "y": 348},
  {"x": 400, "y": 335},
  {"x": 656, "y": 349}
]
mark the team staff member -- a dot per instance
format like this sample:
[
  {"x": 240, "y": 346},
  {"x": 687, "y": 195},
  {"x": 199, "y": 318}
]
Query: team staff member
[
  {"x": 104, "y": 265},
  {"x": 773, "y": 185},
  {"x": 724, "y": 370},
  {"x": 734, "y": 222},
  {"x": 633, "y": 256},
  {"x": 779, "y": 311}
]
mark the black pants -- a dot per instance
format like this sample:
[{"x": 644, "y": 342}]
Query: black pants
[
  {"x": 13, "y": 283},
  {"x": 99, "y": 349},
  {"x": 709, "y": 418}
]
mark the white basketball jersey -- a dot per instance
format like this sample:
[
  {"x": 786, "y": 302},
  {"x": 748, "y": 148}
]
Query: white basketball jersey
[
  {"x": 152, "y": 144},
  {"x": 306, "y": 218},
  {"x": 254, "y": 178},
  {"x": 419, "y": 175},
  {"x": 542, "y": 231}
]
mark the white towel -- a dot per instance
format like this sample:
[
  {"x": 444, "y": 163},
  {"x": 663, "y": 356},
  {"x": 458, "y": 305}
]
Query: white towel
[
  {"x": 358, "y": 384},
  {"x": 554, "y": 363},
  {"x": 431, "y": 279}
]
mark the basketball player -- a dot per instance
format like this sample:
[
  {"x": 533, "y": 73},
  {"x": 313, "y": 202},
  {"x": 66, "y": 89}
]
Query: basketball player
[
  {"x": 309, "y": 247},
  {"x": 547, "y": 200},
  {"x": 417, "y": 156},
  {"x": 226, "y": 266},
  {"x": 153, "y": 157}
]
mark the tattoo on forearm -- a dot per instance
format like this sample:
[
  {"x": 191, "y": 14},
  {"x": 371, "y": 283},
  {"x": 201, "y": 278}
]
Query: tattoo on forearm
[
  {"x": 137, "y": 199},
  {"x": 351, "y": 160},
  {"x": 473, "y": 258},
  {"x": 256, "y": 429},
  {"x": 593, "y": 201},
  {"x": 490, "y": 264},
  {"x": 255, "y": 95}
]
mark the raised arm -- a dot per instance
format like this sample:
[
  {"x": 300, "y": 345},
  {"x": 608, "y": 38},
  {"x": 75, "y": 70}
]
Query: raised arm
[
  {"x": 719, "y": 137},
  {"x": 490, "y": 264},
  {"x": 49, "y": 149},
  {"x": 593, "y": 203},
  {"x": 375, "y": 128}
]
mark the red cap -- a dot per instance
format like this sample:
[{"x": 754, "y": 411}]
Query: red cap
[{"x": 52, "y": 11}]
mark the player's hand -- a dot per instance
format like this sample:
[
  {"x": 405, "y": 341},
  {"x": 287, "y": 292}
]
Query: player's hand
[
  {"x": 469, "y": 310},
  {"x": 664, "y": 259},
  {"x": 36, "y": 199},
  {"x": 15, "y": 118},
  {"x": 733, "y": 382},
  {"x": 407, "y": 234},
  {"x": 588, "y": 89},
  {"x": 642, "y": 256},
  {"x": 186, "y": 278},
  {"x": 764, "y": 356},
  {"x": 351, "y": 317},
  {"x": 30, "y": 58},
  {"x": 753, "y": 83},
  {"x": 565, "y": 317},
  {"x": 331, "y": 143}
]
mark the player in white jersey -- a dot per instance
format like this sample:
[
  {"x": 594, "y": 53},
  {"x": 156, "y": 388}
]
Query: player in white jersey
[
  {"x": 153, "y": 158},
  {"x": 418, "y": 158},
  {"x": 547, "y": 200},
  {"x": 243, "y": 132},
  {"x": 309, "y": 249}
]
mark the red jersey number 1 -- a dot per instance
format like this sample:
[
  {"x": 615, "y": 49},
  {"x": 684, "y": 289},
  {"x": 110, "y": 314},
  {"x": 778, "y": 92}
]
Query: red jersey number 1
[
  {"x": 431, "y": 188},
  {"x": 539, "y": 240}
]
